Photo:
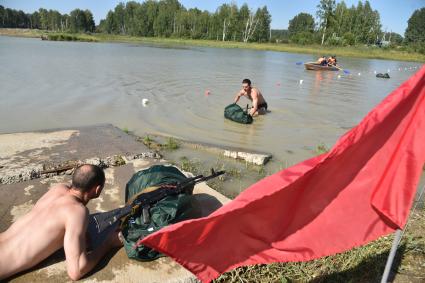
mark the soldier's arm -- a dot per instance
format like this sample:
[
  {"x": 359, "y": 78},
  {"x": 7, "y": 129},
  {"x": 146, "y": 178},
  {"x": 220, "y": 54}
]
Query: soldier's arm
[
  {"x": 78, "y": 261},
  {"x": 238, "y": 96}
]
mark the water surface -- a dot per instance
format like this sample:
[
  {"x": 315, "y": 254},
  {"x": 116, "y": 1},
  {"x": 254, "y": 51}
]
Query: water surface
[{"x": 48, "y": 84}]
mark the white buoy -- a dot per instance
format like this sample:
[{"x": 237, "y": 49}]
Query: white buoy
[
  {"x": 388, "y": 70},
  {"x": 301, "y": 82},
  {"x": 339, "y": 76},
  {"x": 359, "y": 74},
  {"x": 145, "y": 102},
  {"x": 374, "y": 72}
]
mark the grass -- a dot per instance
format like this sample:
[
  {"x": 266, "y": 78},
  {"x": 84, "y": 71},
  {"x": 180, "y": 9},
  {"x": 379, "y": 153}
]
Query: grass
[
  {"x": 21, "y": 32},
  {"x": 317, "y": 50},
  {"x": 363, "y": 264},
  {"x": 150, "y": 143},
  {"x": 321, "y": 148},
  {"x": 191, "y": 166},
  {"x": 71, "y": 37},
  {"x": 118, "y": 160},
  {"x": 171, "y": 144},
  {"x": 234, "y": 172},
  {"x": 356, "y": 51},
  {"x": 147, "y": 140},
  {"x": 126, "y": 130}
]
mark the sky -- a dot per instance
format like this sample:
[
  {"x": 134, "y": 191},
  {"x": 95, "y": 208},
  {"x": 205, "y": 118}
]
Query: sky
[{"x": 394, "y": 13}]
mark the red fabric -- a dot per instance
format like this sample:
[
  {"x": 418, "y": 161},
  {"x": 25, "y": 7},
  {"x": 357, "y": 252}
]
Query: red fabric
[{"x": 361, "y": 189}]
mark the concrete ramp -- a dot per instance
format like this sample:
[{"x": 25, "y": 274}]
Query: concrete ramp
[{"x": 23, "y": 150}]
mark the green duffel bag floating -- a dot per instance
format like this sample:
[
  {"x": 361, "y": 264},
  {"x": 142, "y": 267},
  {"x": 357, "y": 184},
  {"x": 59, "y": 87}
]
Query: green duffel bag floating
[
  {"x": 171, "y": 209},
  {"x": 235, "y": 113}
]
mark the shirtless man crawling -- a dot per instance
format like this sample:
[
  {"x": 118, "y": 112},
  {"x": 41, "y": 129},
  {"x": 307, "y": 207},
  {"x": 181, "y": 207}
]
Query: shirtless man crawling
[
  {"x": 259, "y": 104},
  {"x": 58, "y": 219}
]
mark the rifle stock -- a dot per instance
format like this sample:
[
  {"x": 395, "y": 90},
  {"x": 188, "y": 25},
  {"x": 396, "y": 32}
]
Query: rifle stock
[
  {"x": 144, "y": 200},
  {"x": 106, "y": 219}
]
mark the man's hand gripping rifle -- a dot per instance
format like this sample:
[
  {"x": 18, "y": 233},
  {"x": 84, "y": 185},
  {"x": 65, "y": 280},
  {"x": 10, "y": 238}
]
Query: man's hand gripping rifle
[{"x": 145, "y": 199}]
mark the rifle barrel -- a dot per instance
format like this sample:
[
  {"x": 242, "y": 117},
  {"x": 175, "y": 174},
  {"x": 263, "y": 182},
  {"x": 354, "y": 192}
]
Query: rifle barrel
[{"x": 106, "y": 219}]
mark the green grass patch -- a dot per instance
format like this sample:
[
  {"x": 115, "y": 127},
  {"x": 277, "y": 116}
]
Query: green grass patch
[
  {"x": 321, "y": 148},
  {"x": 150, "y": 143},
  {"x": 21, "y": 32},
  {"x": 171, "y": 144},
  {"x": 191, "y": 166},
  {"x": 118, "y": 160},
  {"x": 71, "y": 37},
  {"x": 147, "y": 140},
  {"x": 126, "y": 130},
  {"x": 234, "y": 172}
]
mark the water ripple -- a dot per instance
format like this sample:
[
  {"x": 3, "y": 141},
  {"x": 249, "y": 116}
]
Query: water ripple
[{"x": 187, "y": 90}]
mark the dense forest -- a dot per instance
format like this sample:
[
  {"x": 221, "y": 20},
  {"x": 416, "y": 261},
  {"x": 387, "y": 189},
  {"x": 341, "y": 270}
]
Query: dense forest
[{"x": 333, "y": 24}]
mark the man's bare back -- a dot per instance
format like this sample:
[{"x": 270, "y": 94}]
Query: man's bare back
[
  {"x": 39, "y": 233},
  {"x": 58, "y": 219}
]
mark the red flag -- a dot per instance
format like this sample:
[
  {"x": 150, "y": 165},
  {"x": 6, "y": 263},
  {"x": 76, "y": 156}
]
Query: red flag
[{"x": 361, "y": 189}]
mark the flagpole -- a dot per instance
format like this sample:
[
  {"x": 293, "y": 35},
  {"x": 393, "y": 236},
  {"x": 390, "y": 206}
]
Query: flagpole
[
  {"x": 397, "y": 238},
  {"x": 390, "y": 259}
]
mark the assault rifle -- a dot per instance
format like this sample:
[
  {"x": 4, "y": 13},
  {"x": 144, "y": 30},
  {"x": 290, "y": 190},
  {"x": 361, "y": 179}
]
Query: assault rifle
[{"x": 145, "y": 199}]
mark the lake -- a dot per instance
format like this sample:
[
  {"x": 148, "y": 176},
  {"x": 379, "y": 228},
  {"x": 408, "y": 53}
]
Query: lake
[{"x": 47, "y": 84}]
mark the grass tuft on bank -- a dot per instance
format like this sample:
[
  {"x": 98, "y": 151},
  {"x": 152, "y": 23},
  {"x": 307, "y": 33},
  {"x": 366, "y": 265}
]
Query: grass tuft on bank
[{"x": 69, "y": 37}]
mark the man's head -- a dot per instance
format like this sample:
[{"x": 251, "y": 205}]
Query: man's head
[
  {"x": 88, "y": 179},
  {"x": 246, "y": 84}
]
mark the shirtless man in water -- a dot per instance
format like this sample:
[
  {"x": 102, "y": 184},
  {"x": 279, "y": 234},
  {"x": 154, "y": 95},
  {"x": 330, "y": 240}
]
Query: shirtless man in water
[
  {"x": 58, "y": 219},
  {"x": 259, "y": 104}
]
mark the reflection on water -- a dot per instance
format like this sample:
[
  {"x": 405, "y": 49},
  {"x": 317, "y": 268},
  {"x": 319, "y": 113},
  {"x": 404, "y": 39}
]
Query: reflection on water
[
  {"x": 325, "y": 79},
  {"x": 59, "y": 84}
]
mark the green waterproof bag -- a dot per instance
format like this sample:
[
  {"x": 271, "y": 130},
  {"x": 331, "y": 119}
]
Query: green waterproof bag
[
  {"x": 171, "y": 209},
  {"x": 235, "y": 113}
]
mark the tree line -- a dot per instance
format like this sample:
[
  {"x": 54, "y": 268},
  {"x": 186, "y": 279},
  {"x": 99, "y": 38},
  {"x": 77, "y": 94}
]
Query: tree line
[
  {"x": 77, "y": 21},
  {"x": 359, "y": 24},
  {"x": 341, "y": 25},
  {"x": 335, "y": 23},
  {"x": 168, "y": 18}
]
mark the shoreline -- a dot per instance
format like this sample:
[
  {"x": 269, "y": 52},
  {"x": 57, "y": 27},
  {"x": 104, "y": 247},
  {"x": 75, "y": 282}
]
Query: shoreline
[{"x": 317, "y": 50}]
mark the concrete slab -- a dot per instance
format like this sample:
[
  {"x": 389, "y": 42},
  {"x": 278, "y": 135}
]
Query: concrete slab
[
  {"x": 17, "y": 199},
  {"x": 250, "y": 156},
  {"x": 24, "y": 155}
]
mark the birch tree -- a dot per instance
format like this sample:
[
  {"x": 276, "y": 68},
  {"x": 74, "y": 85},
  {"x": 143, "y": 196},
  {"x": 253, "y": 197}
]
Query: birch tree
[
  {"x": 325, "y": 13},
  {"x": 250, "y": 26}
]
